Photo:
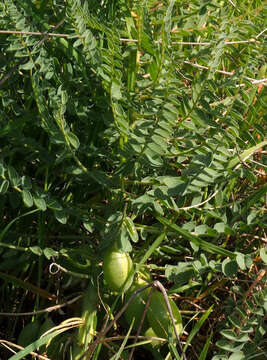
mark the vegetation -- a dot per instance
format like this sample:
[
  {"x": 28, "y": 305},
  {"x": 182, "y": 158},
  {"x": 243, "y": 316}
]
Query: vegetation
[{"x": 138, "y": 125}]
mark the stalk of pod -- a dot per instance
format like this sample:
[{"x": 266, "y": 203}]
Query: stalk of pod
[{"x": 158, "y": 318}]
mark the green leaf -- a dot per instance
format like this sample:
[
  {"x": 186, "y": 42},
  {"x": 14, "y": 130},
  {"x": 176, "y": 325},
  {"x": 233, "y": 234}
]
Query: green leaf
[
  {"x": 73, "y": 139},
  {"x": 228, "y": 345},
  {"x": 27, "y": 198},
  {"x": 26, "y": 183},
  {"x": 158, "y": 207},
  {"x": 60, "y": 216},
  {"x": 4, "y": 186},
  {"x": 214, "y": 249},
  {"x": 252, "y": 216},
  {"x": 13, "y": 176},
  {"x": 39, "y": 203},
  {"x": 253, "y": 199},
  {"x": 28, "y": 66},
  {"x": 229, "y": 268},
  {"x": 168, "y": 18},
  {"x": 153, "y": 69},
  {"x": 263, "y": 254},
  {"x": 88, "y": 225},
  {"x": 246, "y": 154},
  {"x": 238, "y": 355},
  {"x": 235, "y": 321},
  {"x": 248, "y": 260},
  {"x": 53, "y": 204},
  {"x": 100, "y": 177},
  {"x": 124, "y": 243},
  {"x": 131, "y": 67},
  {"x": 155, "y": 148},
  {"x": 36, "y": 250},
  {"x": 223, "y": 228},
  {"x": 129, "y": 224},
  {"x": 230, "y": 334},
  {"x": 115, "y": 90},
  {"x": 48, "y": 253},
  {"x": 201, "y": 229},
  {"x": 2, "y": 169},
  {"x": 240, "y": 259},
  {"x": 179, "y": 274}
]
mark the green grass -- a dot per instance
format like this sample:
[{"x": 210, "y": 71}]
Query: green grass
[{"x": 140, "y": 124}]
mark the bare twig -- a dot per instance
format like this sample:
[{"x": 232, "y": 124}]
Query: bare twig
[
  {"x": 197, "y": 43},
  {"x": 162, "y": 289},
  {"x": 49, "y": 309},
  {"x": 14, "y": 68},
  {"x": 128, "y": 40},
  {"x": 98, "y": 293},
  {"x": 253, "y": 81},
  {"x": 260, "y": 81},
  {"x": 255, "y": 237},
  {"x": 262, "y": 32},
  {"x": 193, "y": 43},
  {"x": 200, "y": 204},
  {"x": 234, "y": 5},
  {"x": 258, "y": 279},
  {"x": 203, "y": 43},
  {"x": 140, "y": 337},
  {"x": 32, "y": 33}
]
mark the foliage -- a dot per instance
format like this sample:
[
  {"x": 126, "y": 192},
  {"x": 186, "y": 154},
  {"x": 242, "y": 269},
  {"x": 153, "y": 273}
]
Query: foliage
[{"x": 140, "y": 123}]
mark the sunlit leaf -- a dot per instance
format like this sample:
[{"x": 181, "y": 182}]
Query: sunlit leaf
[{"x": 27, "y": 198}]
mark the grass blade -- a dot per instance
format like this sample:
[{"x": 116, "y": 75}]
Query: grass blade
[
  {"x": 150, "y": 251},
  {"x": 245, "y": 154},
  {"x": 205, "y": 349},
  {"x": 214, "y": 249},
  {"x": 197, "y": 326}
]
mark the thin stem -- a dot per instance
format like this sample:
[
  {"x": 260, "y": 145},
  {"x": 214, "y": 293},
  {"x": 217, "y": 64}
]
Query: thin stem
[
  {"x": 12, "y": 32},
  {"x": 164, "y": 293},
  {"x": 8, "y": 343},
  {"x": 253, "y": 81},
  {"x": 46, "y": 310}
]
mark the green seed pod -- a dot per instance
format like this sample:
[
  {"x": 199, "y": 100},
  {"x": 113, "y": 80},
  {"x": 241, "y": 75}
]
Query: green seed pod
[
  {"x": 118, "y": 270},
  {"x": 150, "y": 333},
  {"x": 137, "y": 306},
  {"x": 159, "y": 317}
]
